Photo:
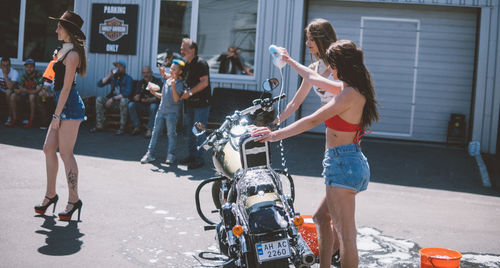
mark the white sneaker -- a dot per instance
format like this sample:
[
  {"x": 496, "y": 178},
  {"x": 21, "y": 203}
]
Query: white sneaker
[
  {"x": 8, "y": 121},
  {"x": 147, "y": 158},
  {"x": 170, "y": 159}
]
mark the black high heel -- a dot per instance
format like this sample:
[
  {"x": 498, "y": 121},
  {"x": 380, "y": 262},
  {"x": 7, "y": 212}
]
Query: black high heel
[
  {"x": 66, "y": 216},
  {"x": 41, "y": 209},
  {"x": 336, "y": 259}
]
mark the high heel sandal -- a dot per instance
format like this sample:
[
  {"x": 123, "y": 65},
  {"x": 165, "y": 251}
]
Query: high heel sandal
[
  {"x": 41, "y": 209},
  {"x": 66, "y": 216},
  {"x": 336, "y": 259}
]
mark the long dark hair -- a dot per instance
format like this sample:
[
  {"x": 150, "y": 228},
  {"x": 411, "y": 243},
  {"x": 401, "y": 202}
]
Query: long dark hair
[
  {"x": 323, "y": 34},
  {"x": 348, "y": 59},
  {"x": 78, "y": 45}
]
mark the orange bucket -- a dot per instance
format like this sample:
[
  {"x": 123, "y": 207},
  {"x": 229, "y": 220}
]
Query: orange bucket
[
  {"x": 439, "y": 258},
  {"x": 308, "y": 232}
]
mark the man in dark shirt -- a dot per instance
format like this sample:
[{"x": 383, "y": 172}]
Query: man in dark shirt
[
  {"x": 121, "y": 89},
  {"x": 196, "y": 99},
  {"x": 143, "y": 100},
  {"x": 231, "y": 63}
]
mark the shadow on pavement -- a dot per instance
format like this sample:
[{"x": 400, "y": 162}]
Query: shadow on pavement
[
  {"x": 61, "y": 240},
  {"x": 432, "y": 166},
  {"x": 391, "y": 162},
  {"x": 181, "y": 170}
]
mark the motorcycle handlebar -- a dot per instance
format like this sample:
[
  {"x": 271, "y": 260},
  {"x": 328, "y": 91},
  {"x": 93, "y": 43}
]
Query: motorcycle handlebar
[{"x": 259, "y": 104}]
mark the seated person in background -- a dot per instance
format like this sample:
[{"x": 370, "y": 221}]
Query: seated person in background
[
  {"x": 121, "y": 89},
  {"x": 230, "y": 63},
  {"x": 9, "y": 78},
  {"x": 143, "y": 100},
  {"x": 46, "y": 104},
  {"x": 29, "y": 86}
]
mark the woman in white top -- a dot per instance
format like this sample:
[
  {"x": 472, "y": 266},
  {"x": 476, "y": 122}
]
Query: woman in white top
[{"x": 320, "y": 35}]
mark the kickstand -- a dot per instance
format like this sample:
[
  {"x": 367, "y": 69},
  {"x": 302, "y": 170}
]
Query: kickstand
[{"x": 213, "y": 265}]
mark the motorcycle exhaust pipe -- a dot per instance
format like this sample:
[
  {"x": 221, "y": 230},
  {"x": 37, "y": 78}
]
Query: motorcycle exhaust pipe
[
  {"x": 297, "y": 259},
  {"x": 307, "y": 257}
]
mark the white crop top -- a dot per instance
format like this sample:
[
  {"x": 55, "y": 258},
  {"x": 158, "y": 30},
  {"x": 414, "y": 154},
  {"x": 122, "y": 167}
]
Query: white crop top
[{"x": 324, "y": 95}]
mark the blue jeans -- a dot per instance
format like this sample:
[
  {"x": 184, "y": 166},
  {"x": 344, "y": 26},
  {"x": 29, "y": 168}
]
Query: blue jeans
[
  {"x": 134, "y": 107},
  {"x": 346, "y": 166},
  {"x": 74, "y": 109},
  {"x": 171, "y": 121},
  {"x": 191, "y": 116}
]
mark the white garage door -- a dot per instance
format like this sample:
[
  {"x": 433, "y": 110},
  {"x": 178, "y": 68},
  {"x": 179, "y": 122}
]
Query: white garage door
[{"x": 421, "y": 59}]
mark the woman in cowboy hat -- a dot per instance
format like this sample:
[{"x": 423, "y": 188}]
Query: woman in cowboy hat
[{"x": 69, "y": 113}]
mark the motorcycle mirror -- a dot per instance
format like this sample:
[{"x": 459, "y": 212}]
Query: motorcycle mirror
[
  {"x": 270, "y": 84},
  {"x": 199, "y": 129}
]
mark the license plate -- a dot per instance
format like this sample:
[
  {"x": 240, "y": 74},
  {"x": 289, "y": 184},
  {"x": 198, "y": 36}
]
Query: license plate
[{"x": 273, "y": 250}]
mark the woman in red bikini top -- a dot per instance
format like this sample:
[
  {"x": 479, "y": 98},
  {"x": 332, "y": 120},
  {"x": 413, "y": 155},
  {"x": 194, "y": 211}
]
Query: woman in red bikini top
[{"x": 345, "y": 168}]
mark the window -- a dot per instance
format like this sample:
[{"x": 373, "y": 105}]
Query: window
[
  {"x": 225, "y": 31},
  {"x": 39, "y": 39},
  {"x": 175, "y": 24},
  {"x": 226, "y": 35},
  {"x": 9, "y": 23}
]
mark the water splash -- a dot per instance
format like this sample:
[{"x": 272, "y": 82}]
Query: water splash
[
  {"x": 378, "y": 250},
  {"x": 282, "y": 148},
  {"x": 161, "y": 211},
  {"x": 480, "y": 260}
]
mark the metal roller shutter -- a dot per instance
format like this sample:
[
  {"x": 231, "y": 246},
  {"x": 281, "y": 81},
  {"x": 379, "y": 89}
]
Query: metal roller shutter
[{"x": 421, "y": 59}]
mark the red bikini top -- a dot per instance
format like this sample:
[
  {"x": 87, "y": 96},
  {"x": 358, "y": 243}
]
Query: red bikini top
[{"x": 339, "y": 124}]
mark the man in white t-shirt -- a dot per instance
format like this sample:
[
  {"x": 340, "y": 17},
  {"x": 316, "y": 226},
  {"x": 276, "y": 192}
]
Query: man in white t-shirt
[{"x": 9, "y": 79}]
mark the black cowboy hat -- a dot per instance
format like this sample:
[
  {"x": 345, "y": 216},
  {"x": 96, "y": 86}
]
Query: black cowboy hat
[{"x": 72, "y": 22}]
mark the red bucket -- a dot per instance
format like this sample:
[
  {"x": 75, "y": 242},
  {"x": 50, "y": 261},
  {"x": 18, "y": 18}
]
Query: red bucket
[
  {"x": 439, "y": 258},
  {"x": 308, "y": 232}
]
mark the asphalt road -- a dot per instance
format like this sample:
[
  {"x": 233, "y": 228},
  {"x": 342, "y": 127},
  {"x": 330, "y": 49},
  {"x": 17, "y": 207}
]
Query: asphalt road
[{"x": 137, "y": 215}]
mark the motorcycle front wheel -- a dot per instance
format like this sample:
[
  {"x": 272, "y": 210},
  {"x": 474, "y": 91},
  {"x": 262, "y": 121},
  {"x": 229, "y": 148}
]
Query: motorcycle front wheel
[{"x": 216, "y": 186}]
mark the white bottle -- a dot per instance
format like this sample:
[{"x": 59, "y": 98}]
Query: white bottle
[{"x": 276, "y": 52}]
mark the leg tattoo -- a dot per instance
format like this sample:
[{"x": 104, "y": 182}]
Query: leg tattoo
[{"x": 72, "y": 179}]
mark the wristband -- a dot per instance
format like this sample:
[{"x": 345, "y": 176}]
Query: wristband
[
  {"x": 55, "y": 116},
  {"x": 190, "y": 93}
]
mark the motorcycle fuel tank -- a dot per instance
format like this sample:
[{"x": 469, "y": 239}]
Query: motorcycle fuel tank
[{"x": 227, "y": 158}]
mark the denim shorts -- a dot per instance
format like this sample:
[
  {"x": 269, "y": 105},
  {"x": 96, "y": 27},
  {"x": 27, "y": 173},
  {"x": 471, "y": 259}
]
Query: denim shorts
[
  {"x": 346, "y": 167},
  {"x": 74, "y": 109}
]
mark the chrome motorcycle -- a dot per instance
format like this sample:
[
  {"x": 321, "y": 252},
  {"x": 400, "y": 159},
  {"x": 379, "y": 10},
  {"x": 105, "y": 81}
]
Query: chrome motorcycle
[{"x": 258, "y": 226}]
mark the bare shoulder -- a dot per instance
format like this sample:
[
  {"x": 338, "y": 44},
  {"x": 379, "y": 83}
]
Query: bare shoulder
[
  {"x": 350, "y": 93},
  {"x": 73, "y": 55},
  {"x": 312, "y": 66},
  {"x": 73, "y": 59}
]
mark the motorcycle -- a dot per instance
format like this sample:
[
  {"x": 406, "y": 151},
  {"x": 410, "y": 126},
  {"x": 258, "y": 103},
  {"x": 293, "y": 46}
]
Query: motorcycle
[{"x": 258, "y": 226}]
